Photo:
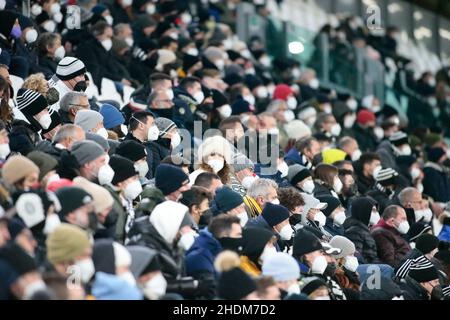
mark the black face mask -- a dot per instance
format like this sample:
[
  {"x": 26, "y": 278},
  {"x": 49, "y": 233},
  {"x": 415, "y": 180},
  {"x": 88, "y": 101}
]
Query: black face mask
[
  {"x": 436, "y": 293},
  {"x": 164, "y": 113},
  {"x": 295, "y": 219},
  {"x": 80, "y": 86},
  {"x": 52, "y": 96},
  {"x": 330, "y": 271},
  {"x": 233, "y": 244},
  {"x": 93, "y": 221}
]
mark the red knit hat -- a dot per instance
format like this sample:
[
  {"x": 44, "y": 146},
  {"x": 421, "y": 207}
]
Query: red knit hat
[
  {"x": 365, "y": 116},
  {"x": 58, "y": 184},
  {"x": 282, "y": 91}
]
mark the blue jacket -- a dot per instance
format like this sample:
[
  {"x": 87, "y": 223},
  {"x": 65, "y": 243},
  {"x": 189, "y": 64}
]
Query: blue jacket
[
  {"x": 444, "y": 235},
  {"x": 333, "y": 229},
  {"x": 110, "y": 287},
  {"x": 201, "y": 255},
  {"x": 293, "y": 156},
  {"x": 275, "y": 177}
]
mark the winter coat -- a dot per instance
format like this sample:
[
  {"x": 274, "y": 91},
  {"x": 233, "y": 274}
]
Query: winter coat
[
  {"x": 366, "y": 139},
  {"x": 200, "y": 257},
  {"x": 364, "y": 183},
  {"x": 332, "y": 228},
  {"x": 121, "y": 214},
  {"x": 392, "y": 247},
  {"x": 412, "y": 290},
  {"x": 148, "y": 148},
  {"x": 321, "y": 190},
  {"x": 364, "y": 242},
  {"x": 47, "y": 66},
  {"x": 387, "y": 155},
  {"x": 436, "y": 182},
  {"x": 159, "y": 149},
  {"x": 49, "y": 148}
]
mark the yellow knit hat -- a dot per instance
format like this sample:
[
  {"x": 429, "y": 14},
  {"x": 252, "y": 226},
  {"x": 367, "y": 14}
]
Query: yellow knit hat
[{"x": 330, "y": 156}]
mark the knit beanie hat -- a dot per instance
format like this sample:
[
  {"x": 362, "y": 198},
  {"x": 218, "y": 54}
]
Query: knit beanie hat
[
  {"x": 305, "y": 242},
  {"x": 102, "y": 198},
  {"x": 311, "y": 284},
  {"x": 282, "y": 91},
  {"x": 219, "y": 98},
  {"x": 227, "y": 288},
  {"x": 297, "y": 129},
  {"x": 70, "y": 67},
  {"x": 86, "y": 151},
  {"x": 216, "y": 144},
  {"x": 274, "y": 214},
  {"x": 131, "y": 150},
  {"x": 417, "y": 229},
  {"x": 169, "y": 178},
  {"x": 167, "y": 218},
  {"x": 343, "y": 243},
  {"x": 189, "y": 61},
  {"x": 102, "y": 142},
  {"x": 398, "y": 138},
  {"x": 330, "y": 156},
  {"x": 15, "y": 227},
  {"x": 241, "y": 162},
  {"x": 227, "y": 199},
  {"x": 30, "y": 102},
  {"x": 88, "y": 119},
  {"x": 44, "y": 161},
  {"x": 164, "y": 125},
  {"x": 72, "y": 198},
  {"x": 123, "y": 169},
  {"x": 14, "y": 255},
  {"x": 434, "y": 154},
  {"x": 143, "y": 260},
  {"x": 254, "y": 241},
  {"x": 18, "y": 167},
  {"x": 427, "y": 243},
  {"x": 423, "y": 271},
  {"x": 66, "y": 243},
  {"x": 361, "y": 209},
  {"x": 364, "y": 116},
  {"x": 297, "y": 173},
  {"x": 281, "y": 267},
  {"x": 241, "y": 106},
  {"x": 112, "y": 117},
  {"x": 332, "y": 202},
  {"x": 108, "y": 255},
  {"x": 386, "y": 176}
]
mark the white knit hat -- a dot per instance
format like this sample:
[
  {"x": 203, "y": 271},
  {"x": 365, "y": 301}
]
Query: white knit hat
[
  {"x": 215, "y": 144},
  {"x": 165, "y": 57},
  {"x": 70, "y": 67},
  {"x": 297, "y": 129},
  {"x": 167, "y": 217}
]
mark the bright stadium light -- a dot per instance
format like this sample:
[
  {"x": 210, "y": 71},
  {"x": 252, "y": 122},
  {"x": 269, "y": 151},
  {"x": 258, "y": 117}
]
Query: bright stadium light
[{"x": 296, "y": 47}]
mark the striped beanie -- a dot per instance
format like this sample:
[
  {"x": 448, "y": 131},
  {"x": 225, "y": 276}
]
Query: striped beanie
[
  {"x": 164, "y": 125},
  {"x": 423, "y": 271},
  {"x": 30, "y": 102},
  {"x": 385, "y": 176},
  {"x": 70, "y": 67},
  {"x": 399, "y": 138}
]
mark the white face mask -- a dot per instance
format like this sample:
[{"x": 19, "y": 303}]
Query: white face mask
[
  {"x": 107, "y": 44},
  {"x": 109, "y": 20},
  {"x": 55, "y": 8},
  {"x": 379, "y": 133},
  {"x": 296, "y": 73},
  {"x": 45, "y": 121},
  {"x": 248, "y": 181},
  {"x": 351, "y": 263},
  {"x": 349, "y": 121},
  {"x": 58, "y": 17},
  {"x": 86, "y": 268},
  {"x": 336, "y": 129},
  {"x": 175, "y": 140},
  {"x": 127, "y": 3},
  {"x": 265, "y": 61},
  {"x": 250, "y": 99},
  {"x": 129, "y": 41},
  {"x": 60, "y": 52},
  {"x": 150, "y": 9},
  {"x": 243, "y": 217},
  {"x": 155, "y": 287},
  {"x": 289, "y": 115},
  {"x": 352, "y": 104},
  {"x": 32, "y": 288},
  {"x": 141, "y": 168},
  {"x": 153, "y": 133},
  {"x": 105, "y": 174},
  {"x": 415, "y": 173},
  {"x": 420, "y": 187},
  {"x": 133, "y": 190},
  {"x": 310, "y": 121},
  {"x": 186, "y": 241},
  {"x": 375, "y": 108},
  {"x": 225, "y": 111},
  {"x": 268, "y": 251},
  {"x": 319, "y": 265},
  {"x": 286, "y": 232},
  {"x": 283, "y": 168},
  {"x": 244, "y": 119},
  {"x": 4, "y": 150},
  {"x": 339, "y": 218},
  {"x": 216, "y": 164},
  {"x": 403, "y": 227},
  {"x": 374, "y": 218},
  {"x": 49, "y": 26},
  {"x": 31, "y": 36},
  {"x": 294, "y": 289},
  {"x": 35, "y": 9},
  {"x": 170, "y": 94},
  {"x": 314, "y": 83},
  {"x": 51, "y": 222},
  {"x": 262, "y": 92},
  {"x": 322, "y": 298},
  {"x": 128, "y": 277},
  {"x": 320, "y": 218},
  {"x": 308, "y": 186},
  {"x": 376, "y": 171},
  {"x": 405, "y": 150},
  {"x": 192, "y": 51},
  {"x": 102, "y": 133},
  {"x": 220, "y": 64},
  {"x": 275, "y": 201},
  {"x": 327, "y": 109},
  {"x": 356, "y": 155},
  {"x": 427, "y": 215},
  {"x": 337, "y": 185},
  {"x": 291, "y": 102},
  {"x": 199, "y": 96}
]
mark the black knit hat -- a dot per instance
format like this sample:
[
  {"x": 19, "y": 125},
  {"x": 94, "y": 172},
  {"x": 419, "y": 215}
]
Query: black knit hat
[
  {"x": 297, "y": 173},
  {"x": 274, "y": 214},
  {"x": 417, "y": 229},
  {"x": 189, "y": 61},
  {"x": 332, "y": 202},
  {"x": 398, "y": 138},
  {"x": 226, "y": 200},
  {"x": 240, "y": 106},
  {"x": 386, "y": 176},
  {"x": 423, "y": 271},
  {"x": 219, "y": 98},
  {"x": 427, "y": 243},
  {"x": 30, "y": 102},
  {"x": 72, "y": 198},
  {"x": 235, "y": 284},
  {"x": 254, "y": 241},
  {"x": 434, "y": 154},
  {"x": 361, "y": 209},
  {"x": 15, "y": 227},
  {"x": 131, "y": 150},
  {"x": 18, "y": 259},
  {"x": 123, "y": 169},
  {"x": 252, "y": 81},
  {"x": 305, "y": 242},
  {"x": 169, "y": 178},
  {"x": 103, "y": 256},
  {"x": 69, "y": 68},
  {"x": 312, "y": 284}
]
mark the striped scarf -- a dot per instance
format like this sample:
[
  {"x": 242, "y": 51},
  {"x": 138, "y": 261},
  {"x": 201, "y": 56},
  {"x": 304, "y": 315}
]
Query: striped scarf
[{"x": 254, "y": 208}]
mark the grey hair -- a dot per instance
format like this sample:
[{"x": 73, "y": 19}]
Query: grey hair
[
  {"x": 120, "y": 27},
  {"x": 406, "y": 195},
  {"x": 69, "y": 99},
  {"x": 345, "y": 141},
  {"x": 274, "y": 106},
  {"x": 261, "y": 188},
  {"x": 66, "y": 131}
]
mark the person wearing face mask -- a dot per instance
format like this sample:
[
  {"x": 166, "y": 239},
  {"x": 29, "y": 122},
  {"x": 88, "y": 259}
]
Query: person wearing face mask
[
  {"x": 422, "y": 282},
  {"x": 229, "y": 202},
  {"x": 335, "y": 215},
  {"x": 392, "y": 247},
  {"x": 223, "y": 233},
  {"x": 411, "y": 200},
  {"x": 313, "y": 218},
  {"x": 310, "y": 254},
  {"x": 188, "y": 96},
  {"x": 436, "y": 182},
  {"x": 137, "y": 153},
  {"x": 303, "y": 152},
  {"x": 366, "y": 169},
  {"x": 390, "y": 150},
  {"x": 285, "y": 271},
  {"x": 243, "y": 175},
  {"x": 386, "y": 188},
  {"x": 363, "y": 131},
  {"x": 300, "y": 178},
  {"x": 346, "y": 274},
  {"x": 327, "y": 124},
  {"x": 174, "y": 187},
  {"x": 258, "y": 245},
  {"x": 363, "y": 213},
  {"x": 326, "y": 181},
  {"x": 113, "y": 119},
  {"x": 261, "y": 192},
  {"x": 50, "y": 51},
  {"x": 197, "y": 199},
  {"x": 350, "y": 146},
  {"x": 34, "y": 107},
  {"x": 168, "y": 139},
  {"x": 92, "y": 122},
  {"x": 315, "y": 288},
  {"x": 222, "y": 108}
]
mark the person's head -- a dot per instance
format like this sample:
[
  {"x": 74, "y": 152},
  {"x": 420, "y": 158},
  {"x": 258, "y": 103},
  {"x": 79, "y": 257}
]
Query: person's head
[
  {"x": 284, "y": 269},
  {"x": 309, "y": 147},
  {"x": 370, "y": 164},
  {"x": 172, "y": 181},
  {"x": 277, "y": 109},
  {"x": 91, "y": 121},
  {"x": 124, "y": 31},
  {"x": 243, "y": 169},
  {"x": 228, "y": 231},
  {"x": 49, "y": 45},
  {"x": 68, "y": 246},
  {"x": 426, "y": 274},
  {"x": 177, "y": 161},
  {"x": 264, "y": 191},
  {"x": 267, "y": 289},
  {"x": 258, "y": 244},
  {"x": 300, "y": 178},
  {"x": 328, "y": 175},
  {"x": 400, "y": 144},
  {"x": 277, "y": 217},
  {"x": 126, "y": 178},
  {"x": 291, "y": 199},
  {"x": 168, "y": 43},
  {"x": 22, "y": 236},
  {"x": 366, "y": 119},
  {"x": 437, "y": 155},
  {"x": 142, "y": 126},
  {"x": 395, "y": 217},
  {"x": 103, "y": 32},
  {"x": 209, "y": 181},
  {"x": 34, "y": 107},
  {"x": 71, "y": 71},
  {"x": 161, "y": 81},
  {"x": 334, "y": 210},
  {"x": 312, "y": 210},
  {"x": 197, "y": 200},
  {"x": 168, "y": 130},
  {"x": 410, "y": 198},
  {"x": 160, "y": 99},
  {"x": 72, "y": 102},
  {"x": 91, "y": 157},
  {"x": 68, "y": 134},
  {"x": 76, "y": 206},
  {"x": 215, "y": 153},
  {"x": 364, "y": 209},
  {"x": 350, "y": 146},
  {"x": 20, "y": 172},
  {"x": 232, "y": 128},
  {"x": 327, "y": 123},
  {"x": 192, "y": 85},
  {"x": 346, "y": 258},
  {"x": 309, "y": 251},
  {"x": 315, "y": 288}
]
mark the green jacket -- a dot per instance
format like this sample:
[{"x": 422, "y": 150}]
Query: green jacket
[{"x": 121, "y": 214}]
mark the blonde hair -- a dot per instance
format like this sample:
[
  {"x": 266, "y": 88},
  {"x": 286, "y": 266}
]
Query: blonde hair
[{"x": 37, "y": 83}]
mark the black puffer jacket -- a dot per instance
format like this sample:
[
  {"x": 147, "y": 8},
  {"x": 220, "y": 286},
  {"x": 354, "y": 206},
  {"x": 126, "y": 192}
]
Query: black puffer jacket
[
  {"x": 412, "y": 290},
  {"x": 360, "y": 235}
]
